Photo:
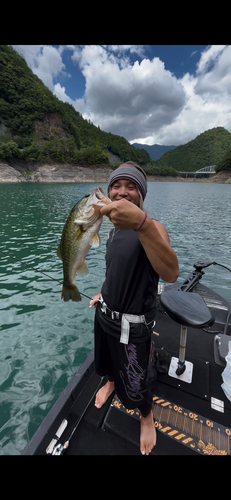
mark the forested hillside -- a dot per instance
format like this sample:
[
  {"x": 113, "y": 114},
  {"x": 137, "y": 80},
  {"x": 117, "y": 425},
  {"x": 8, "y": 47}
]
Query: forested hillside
[
  {"x": 225, "y": 163},
  {"x": 36, "y": 126},
  {"x": 206, "y": 149}
]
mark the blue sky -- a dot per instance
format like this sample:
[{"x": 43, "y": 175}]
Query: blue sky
[
  {"x": 179, "y": 59},
  {"x": 152, "y": 94}
]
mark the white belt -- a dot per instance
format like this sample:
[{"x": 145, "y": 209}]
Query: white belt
[
  {"x": 125, "y": 325},
  {"x": 125, "y": 320}
]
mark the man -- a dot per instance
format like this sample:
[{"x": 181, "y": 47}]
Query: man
[{"x": 138, "y": 253}]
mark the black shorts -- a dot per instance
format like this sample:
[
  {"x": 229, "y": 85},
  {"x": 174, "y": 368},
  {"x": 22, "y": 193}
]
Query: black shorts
[{"x": 125, "y": 365}]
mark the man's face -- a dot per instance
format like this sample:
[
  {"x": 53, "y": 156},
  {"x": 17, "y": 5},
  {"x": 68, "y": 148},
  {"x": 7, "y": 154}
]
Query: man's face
[{"x": 127, "y": 189}]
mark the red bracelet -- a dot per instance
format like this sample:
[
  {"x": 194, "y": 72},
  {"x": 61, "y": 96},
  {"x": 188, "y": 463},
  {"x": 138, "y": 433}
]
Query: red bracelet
[{"x": 141, "y": 222}]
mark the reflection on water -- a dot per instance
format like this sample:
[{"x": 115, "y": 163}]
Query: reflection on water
[{"x": 44, "y": 340}]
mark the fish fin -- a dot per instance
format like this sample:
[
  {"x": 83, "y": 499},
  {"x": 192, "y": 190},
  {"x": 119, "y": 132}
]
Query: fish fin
[
  {"x": 83, "y": 270},
  {"x": 81, "y": 227},
  {"x": 70, "y": 292},
  {"x": 102, "y": 203},
  {"x": 99, "y": 204},
  {"x": 78, "y": 221},
  {"x": 95, "y": 242},
  {"x": 59, "y": 253}
]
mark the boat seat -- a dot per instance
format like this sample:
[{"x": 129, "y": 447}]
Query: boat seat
[
  {"x": 186, "y": 308},
  {"x": 189, "y": 310}
]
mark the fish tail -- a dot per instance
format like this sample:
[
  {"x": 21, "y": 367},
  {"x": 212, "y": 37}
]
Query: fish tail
[{"x": 70, "y": 292}]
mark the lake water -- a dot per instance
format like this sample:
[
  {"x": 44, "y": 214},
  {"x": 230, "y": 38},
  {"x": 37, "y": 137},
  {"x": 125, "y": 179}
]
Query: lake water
[{"x": 43, "y": 340}]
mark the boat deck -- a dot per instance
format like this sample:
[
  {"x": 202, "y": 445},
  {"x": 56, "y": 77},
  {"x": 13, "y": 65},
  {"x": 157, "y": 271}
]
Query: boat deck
[
  {"x": 191, "y": 418},
  {"x": 179, "y": 407}
]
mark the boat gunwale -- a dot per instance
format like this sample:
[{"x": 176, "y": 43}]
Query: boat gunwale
[{"x": 59, "y": 410}]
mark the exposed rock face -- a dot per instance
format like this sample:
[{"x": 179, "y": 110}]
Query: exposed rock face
[
  {"x": 70, "y": 173},
  {"x": 56, "y": 173},
  {"x": 223, "y": 177},
  {"x": 5, "y": 131},
  {"x": 9, "y": 174},
  {"x": 73, "y": 173},
  {"x": 113, "y": 158},
  {"x": 50, "y": 126}
]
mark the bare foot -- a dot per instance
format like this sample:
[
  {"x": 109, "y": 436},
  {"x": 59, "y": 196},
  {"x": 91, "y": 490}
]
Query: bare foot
[
  {"x": 147, "y": 434},
  {"x": 104, "y": 393}
]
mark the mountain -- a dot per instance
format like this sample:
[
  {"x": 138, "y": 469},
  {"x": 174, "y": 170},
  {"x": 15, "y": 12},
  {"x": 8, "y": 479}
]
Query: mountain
[
  {"x": 224, "y": 163},
  {"x": 206, "y": 149},
  {"x": 36, "y": 127},
  {"x": 155, "y": 151}
]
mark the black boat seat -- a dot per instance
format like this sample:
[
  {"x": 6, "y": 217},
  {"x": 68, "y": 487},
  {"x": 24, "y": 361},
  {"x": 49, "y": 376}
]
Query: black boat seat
[{"x": 186, "y": 308}]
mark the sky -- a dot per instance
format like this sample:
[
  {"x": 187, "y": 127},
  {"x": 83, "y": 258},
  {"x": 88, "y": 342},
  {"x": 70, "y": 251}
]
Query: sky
[{"x": 151, "y": 94}]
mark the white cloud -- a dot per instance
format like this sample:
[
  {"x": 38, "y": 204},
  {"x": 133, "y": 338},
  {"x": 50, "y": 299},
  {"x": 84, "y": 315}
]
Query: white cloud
[
  {"x": 208, "y": 57},
  {"x": 146, "y": 103},
  {"x": 129, "y": 100},
  {"x": 141, "y": 100},
  {"x": 44, "y": 60},
  {"x": 216, "y": 80},
  {"x": 133, "y": 49},
  {"x": 30, "y": 53},
  {"x": 60, "y": 92},
  {"x": 78, "y": 104},
  {"x": 49, "y": 65},
  {"x": 208, "y": 100}
]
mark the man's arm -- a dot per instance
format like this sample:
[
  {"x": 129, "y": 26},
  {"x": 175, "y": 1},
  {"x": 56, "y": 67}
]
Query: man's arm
[
  {"x": 152, "y": 235},
  {"x": 155, "y": 241}
]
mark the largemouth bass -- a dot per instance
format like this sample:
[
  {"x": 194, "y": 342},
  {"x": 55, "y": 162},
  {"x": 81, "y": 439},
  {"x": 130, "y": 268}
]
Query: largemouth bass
[{"x": 80, "y": 232}]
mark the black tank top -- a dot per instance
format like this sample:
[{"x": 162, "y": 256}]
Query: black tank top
[{"x": 131, "y": 283}]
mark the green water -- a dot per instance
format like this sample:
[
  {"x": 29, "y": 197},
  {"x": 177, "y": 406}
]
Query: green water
[{"x": 43, "y": 340}]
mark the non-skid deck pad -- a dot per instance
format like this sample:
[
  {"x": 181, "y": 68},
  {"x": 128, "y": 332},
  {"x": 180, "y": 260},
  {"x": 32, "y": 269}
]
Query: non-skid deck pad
[{"x": 204, "y": 436}]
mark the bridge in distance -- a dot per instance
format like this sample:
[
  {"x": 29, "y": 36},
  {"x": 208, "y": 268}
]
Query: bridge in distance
[{"x": 205, "y": 170}]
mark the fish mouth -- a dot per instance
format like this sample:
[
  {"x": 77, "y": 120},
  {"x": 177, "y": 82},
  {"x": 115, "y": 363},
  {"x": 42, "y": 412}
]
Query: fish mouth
[
  {"x": 101, "y": 198},
  {"x": 92, "y": 203},
  {"x": 101, "y": 195}
]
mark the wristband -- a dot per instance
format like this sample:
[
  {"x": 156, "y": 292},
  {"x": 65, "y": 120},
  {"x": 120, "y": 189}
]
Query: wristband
[{"x": 141, "y": 222}]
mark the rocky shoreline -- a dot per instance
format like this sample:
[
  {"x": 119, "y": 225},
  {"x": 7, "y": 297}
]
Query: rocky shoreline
[
  {"x": 16, "y": 172},
  {"x": 53, "y": 173}
]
